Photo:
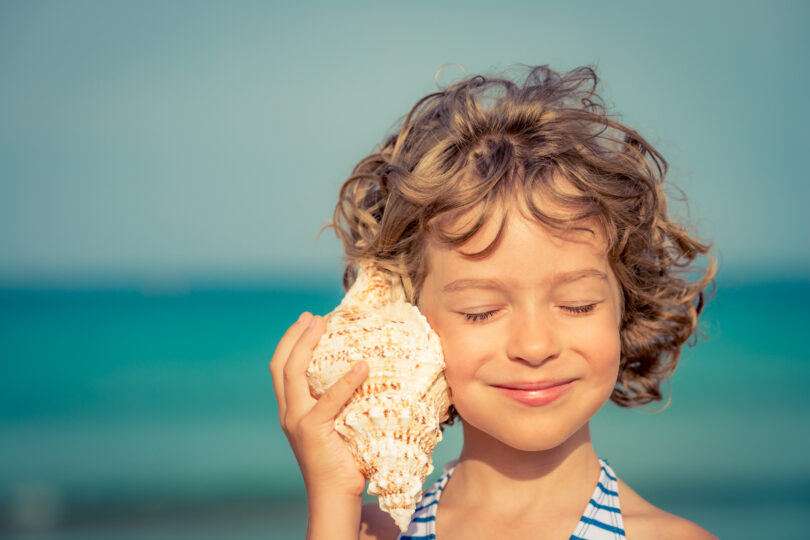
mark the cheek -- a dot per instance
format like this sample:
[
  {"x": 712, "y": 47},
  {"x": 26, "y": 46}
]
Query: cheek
[
  {"x": 599, "y": 338},
  {"x": 459, "y": 355},
  {"x": 605, "y": 356},
  {"x": 452, "y": 344},
  {"x": 599, "y": 348},
  {"x": 464, "y": 352},
  {"x": 461, "y": 372},
  {"x": 613, "y": 361},
  {"x": 605, "y": 346}
]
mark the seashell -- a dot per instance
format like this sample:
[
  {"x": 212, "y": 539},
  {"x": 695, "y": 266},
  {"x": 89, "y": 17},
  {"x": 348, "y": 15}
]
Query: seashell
[{"x": 392, "y": 421}]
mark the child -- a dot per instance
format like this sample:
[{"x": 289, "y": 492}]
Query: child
[{"x": 531, "y": 230}]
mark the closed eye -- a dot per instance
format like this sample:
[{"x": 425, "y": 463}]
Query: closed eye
[
  {"x": 579, "y": 310},
  {"x": 477, "y": 317}
]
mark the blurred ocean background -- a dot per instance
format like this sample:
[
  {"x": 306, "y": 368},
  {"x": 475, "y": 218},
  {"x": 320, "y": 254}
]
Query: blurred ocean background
[
  {"x": 166, "y": 167},
  {"x": 128, "y": 416}
]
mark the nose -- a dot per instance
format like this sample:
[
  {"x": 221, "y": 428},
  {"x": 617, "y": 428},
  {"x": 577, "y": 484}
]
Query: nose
[{"x": 533, "y": 338}]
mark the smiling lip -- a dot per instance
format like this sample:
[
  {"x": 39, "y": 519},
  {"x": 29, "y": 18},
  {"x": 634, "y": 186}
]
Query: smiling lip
[{"x": 535, "y": 393}]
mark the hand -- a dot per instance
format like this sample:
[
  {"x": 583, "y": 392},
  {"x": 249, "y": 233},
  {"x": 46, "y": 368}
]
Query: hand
[{"x": 324, "y": 457}]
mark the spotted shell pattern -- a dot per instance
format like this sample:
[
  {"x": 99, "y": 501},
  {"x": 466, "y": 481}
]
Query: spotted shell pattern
[{"x": 392, "y": 421}]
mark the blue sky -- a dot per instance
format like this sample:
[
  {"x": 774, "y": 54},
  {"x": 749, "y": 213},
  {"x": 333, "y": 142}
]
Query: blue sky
[{"x": 190, "y": 142}]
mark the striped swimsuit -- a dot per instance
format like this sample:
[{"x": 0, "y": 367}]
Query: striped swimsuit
[{"x": 602, "y": 519}]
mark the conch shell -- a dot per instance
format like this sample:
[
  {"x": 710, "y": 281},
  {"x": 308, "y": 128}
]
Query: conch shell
[{"x": 392, "y": 421}]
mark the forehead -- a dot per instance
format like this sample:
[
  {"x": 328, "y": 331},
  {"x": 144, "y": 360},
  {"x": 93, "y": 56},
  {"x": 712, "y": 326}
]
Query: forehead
[{"x": 529, "y": 259}]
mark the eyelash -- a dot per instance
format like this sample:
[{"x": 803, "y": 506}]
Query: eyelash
[
  {"x": 574, "y": 310},
  {"x": 580, "y": 310},
  {"x": 478, "y": 317}
]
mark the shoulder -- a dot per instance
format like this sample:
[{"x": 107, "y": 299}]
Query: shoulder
[
  {"x": 643, "y": 520},
  {"x": 376, "y": 524}
]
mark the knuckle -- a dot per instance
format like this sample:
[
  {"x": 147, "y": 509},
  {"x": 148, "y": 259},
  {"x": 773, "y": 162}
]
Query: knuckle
[
  {"x": 290, "y": 424},
  {"x": 293, "y": 329},
  {"x": 304, "y": 427},
  {"x": 347, "y": 382},
  {"x": 340, "y": 387},
  {"x": 327, "y": 397},
  {"x": 340, "y": 391}
]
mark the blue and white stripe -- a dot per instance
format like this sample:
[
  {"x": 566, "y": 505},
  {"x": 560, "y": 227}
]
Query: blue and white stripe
[{"x": 602, "y": 519}]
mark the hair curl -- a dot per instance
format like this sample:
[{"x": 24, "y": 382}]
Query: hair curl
[{"x": 486, "y": 138}]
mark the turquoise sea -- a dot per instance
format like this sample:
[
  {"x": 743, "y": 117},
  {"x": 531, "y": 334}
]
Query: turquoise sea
[{"x": 126, "y": 415}]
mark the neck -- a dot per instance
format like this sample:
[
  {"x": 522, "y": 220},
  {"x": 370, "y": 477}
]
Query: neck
[{"x": 491, "y": 471}]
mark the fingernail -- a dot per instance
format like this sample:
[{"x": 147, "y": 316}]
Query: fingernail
[
  {"x": 356, "y": 367},
  {"x": 311, "y": 322},
  {"x": 303, "y": 315}
]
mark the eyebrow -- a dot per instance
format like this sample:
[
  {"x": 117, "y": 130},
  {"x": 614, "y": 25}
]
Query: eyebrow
[
  {"x": 461, "y": 284},
  {"x": 567, "y": 277},
  {"x": 557, "y": 279}
]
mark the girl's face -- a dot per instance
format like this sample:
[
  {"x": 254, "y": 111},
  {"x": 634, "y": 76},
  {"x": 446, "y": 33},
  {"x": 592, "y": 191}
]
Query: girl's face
[{"x": 542, "y": 309}]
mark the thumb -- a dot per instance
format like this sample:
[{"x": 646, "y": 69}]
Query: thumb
[{"x": 329, "y": 404}]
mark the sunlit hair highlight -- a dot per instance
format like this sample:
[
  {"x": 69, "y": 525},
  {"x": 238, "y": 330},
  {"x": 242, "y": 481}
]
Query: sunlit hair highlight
[{"x": 483, "y": 144}]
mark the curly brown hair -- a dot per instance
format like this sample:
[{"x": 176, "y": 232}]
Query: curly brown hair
[{"x": 485, "y": 138}]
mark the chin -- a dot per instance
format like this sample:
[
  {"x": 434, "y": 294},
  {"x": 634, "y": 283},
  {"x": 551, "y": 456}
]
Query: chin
[
  {"x": 535, "y": 441},
  {"x": 526, "y": 437}
]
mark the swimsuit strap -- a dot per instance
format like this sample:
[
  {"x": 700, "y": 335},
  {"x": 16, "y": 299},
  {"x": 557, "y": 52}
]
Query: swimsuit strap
[{"x": 601, "y": 520}]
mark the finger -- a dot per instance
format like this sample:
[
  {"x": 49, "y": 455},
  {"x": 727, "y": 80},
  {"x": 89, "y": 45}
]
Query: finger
[
  {"x": 330, "y": 403},
  {"x": 282, "y": 354},
  {"x": 296, "y": 387}
]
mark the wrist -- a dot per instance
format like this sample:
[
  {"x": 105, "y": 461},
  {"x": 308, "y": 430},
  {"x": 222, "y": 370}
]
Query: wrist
[
  {"x": 333, "y": 492},
  {"x": 334, "y": 517},
  {"x": 327, "y": 501}
]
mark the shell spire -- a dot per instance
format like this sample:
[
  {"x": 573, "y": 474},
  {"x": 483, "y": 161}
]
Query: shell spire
[{"x": 392, "y": 422}]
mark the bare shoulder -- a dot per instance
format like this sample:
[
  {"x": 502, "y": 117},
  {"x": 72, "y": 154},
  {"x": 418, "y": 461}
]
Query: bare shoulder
[
  {"x": 644, "y": 521},
  {"x": 376, "y": 524}
]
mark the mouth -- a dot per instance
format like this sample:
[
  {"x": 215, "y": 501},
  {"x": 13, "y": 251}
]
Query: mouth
[
  {"x": 535, "y": 393},
  {"x": 530, "y": 386}
]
